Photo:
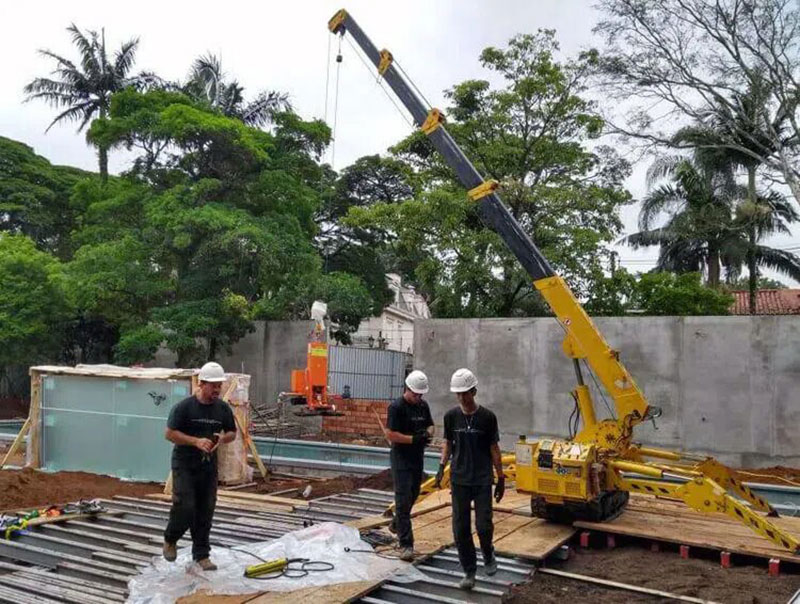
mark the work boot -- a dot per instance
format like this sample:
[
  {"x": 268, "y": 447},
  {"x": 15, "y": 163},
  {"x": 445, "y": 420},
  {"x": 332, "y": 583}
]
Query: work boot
[
  {"x": 206, "y": 564},
  {"x": 468, "y": 582},
  {"x": 407, "y": 555},
  {"x": 490, "y": 567},
  {"x": 170, "y": 551}
]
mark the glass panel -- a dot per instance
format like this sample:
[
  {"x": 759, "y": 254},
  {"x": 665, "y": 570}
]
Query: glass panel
[
  {"x": 74, "y": 440},
  {"x": 78, "y": 392}
]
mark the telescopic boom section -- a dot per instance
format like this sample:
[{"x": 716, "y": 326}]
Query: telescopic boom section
[{"x": 585, "y": 341}]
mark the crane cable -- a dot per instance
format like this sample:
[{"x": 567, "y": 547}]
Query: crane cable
[
  {"x": 370, "y": 69},
  {"x": 336, "y": 103}
]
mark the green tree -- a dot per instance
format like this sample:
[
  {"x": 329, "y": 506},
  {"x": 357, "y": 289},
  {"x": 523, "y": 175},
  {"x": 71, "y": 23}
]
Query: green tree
[
  {"x": 83, "y": 89},
  {"x": 36, "y": 198},
  {"x": 698, "y": 198},
  {"x": 674, "y": 295},
  {"x": 531, "y": 135},
  {"x": 357, "y": 250},
  {"x": 220, "y": 220},
  {"x": 743, "y": 283},
  {"x": 33, "y": 307},
  {"x": 758, "y": 214},
  {"x": 209, "y": 83}
]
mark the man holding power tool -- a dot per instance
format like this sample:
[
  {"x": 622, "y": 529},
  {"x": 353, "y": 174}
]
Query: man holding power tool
[{"x": 197, "y": 426}]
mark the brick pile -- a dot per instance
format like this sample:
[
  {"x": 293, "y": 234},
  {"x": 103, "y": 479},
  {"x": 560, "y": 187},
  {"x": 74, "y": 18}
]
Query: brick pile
[{"x": 358, "y": 419}]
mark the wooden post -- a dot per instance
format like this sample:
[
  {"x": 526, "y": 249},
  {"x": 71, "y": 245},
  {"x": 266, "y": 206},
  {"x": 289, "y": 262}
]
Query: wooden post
[
  {"x": 34, "y": 427},
  {"x": 17, "y": 442},
  {"x": 252, "y": 446}
]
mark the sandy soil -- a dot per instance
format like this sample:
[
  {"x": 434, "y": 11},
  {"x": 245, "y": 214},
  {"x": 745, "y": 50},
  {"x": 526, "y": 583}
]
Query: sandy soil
[
  {"x": 665, "y": 570},
  {"x": 22, "y": 489}
]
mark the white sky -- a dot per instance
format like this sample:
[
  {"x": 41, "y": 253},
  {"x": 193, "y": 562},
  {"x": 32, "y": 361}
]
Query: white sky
[{"x": 283, "y": 46}]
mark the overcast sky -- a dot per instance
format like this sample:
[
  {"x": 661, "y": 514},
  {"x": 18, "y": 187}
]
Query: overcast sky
[{"x": 284, "y": 46}]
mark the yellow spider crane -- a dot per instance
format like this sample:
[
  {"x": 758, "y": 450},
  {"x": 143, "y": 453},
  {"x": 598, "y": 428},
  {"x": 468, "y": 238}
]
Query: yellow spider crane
[{"x": 591, "y": 475}]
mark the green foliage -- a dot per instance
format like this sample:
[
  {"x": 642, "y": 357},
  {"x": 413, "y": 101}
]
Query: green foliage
[
  {"x": 743, "y": 283},
  {"x": 531, "y": 135},
  {"x": 36, "y": 198},
  {"x": 672, "y": 295},
  {"x": 33, "y": 307},
  {"x": 223, "y": 216}
]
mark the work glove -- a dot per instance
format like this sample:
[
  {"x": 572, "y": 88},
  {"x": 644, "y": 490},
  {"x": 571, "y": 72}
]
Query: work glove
[
  {"x": 500, "y": 488},
  {"x": 439, "y": 476},
  {"x": 421, "y": 437}
]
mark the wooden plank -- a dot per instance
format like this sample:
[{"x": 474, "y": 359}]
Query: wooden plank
[
  {"x": 17, "y": 442},
  {"x": 239, "y": 504},
  {"x": 657, "y": 519},
  {"x": 252, "y": 446},
  {"x": 296, "y": 503},
  {"x": 625, "y": 586},
  {"x": 536, "y": 539},
  {"x": 373, "y": 522}
]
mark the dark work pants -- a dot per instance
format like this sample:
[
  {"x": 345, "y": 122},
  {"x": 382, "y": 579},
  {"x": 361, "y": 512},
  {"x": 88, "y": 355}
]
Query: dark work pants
[
  {"x": 406, "y": 491},
  {"x": 194, "y": 496},
  {"x": 462, "y": 498}
]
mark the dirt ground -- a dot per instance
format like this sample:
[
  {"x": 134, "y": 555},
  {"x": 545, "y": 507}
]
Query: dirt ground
[
  {"x": 666, "y": 570},
  {"x": 28, "y": 488},
  {"x": 325, "y": 487},
  {"x": 788, "y": 477}
]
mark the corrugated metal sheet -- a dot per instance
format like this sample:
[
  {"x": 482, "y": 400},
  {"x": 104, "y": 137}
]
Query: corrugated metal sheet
[{"x": 369, "y": 373}]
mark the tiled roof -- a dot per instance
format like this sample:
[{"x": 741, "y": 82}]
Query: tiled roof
[{"x": 768, "y": 302}]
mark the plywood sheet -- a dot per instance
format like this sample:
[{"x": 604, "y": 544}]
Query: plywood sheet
[
  {"x": 533, "y": 538},
  {"x": 328, "y": 594},
  {"x": 666, "y": 520}
]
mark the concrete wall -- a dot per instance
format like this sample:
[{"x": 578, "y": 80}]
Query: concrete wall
[
  {"x": 269, "y": 354},
  {"x": 727, "y": 385}
]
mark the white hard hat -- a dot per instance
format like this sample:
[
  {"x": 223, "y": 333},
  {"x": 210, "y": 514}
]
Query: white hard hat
[
  {"x": 463, "y": 380},
  {"x": 211, "y": 372},
  {"x": 417, "y": 382}
]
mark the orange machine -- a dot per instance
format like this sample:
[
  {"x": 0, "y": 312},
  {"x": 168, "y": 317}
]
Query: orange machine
[{"x": 310, "y": 385}]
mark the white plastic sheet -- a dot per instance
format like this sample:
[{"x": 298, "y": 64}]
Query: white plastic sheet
[{"x": 163, "y": 582}]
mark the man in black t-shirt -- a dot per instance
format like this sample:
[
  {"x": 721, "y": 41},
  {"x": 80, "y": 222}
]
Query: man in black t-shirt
[
  {"x": 409, "y": 427},
  {"x": 197, "y": 426},
  {"x": 471, "y": 436}
]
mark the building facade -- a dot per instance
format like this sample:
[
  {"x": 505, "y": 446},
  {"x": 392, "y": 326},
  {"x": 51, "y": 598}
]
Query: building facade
[{"x": 394, "y": 328}]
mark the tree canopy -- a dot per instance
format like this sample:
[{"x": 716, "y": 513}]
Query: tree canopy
[{"x": 533, "y": 135}]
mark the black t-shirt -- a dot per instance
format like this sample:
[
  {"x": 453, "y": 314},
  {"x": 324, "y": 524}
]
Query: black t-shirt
[
  {"x": 470, "y": 438},
  {"x": 193, "y": 418},
  {"x": 406, "y": 418}
]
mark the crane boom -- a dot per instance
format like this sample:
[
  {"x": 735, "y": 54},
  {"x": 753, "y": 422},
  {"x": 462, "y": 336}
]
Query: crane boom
[
  {"x": 591, "y": 475},
  {"x": 585, "y": 340}
]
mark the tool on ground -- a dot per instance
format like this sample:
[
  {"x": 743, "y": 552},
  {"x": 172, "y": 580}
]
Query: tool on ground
[
  {"x": 590, "y": 475},
  {"x": 310, "y": 385},
  {"x": 291, "y": 568}
]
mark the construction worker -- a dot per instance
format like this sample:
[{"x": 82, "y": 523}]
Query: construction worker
[
  {"x": 197, "y": 426},
  {"x": 471, "y": 436},
  {"x": 409, "y": 427}
]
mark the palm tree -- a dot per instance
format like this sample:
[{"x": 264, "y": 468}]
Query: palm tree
[
  {"x": 699, "y": 230},
  {"x": 709, "y": 226},
  {"x": 207, "y": 83},
  {"x": 738, "y": 135},
  {"x": 83, "y": 89}
]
